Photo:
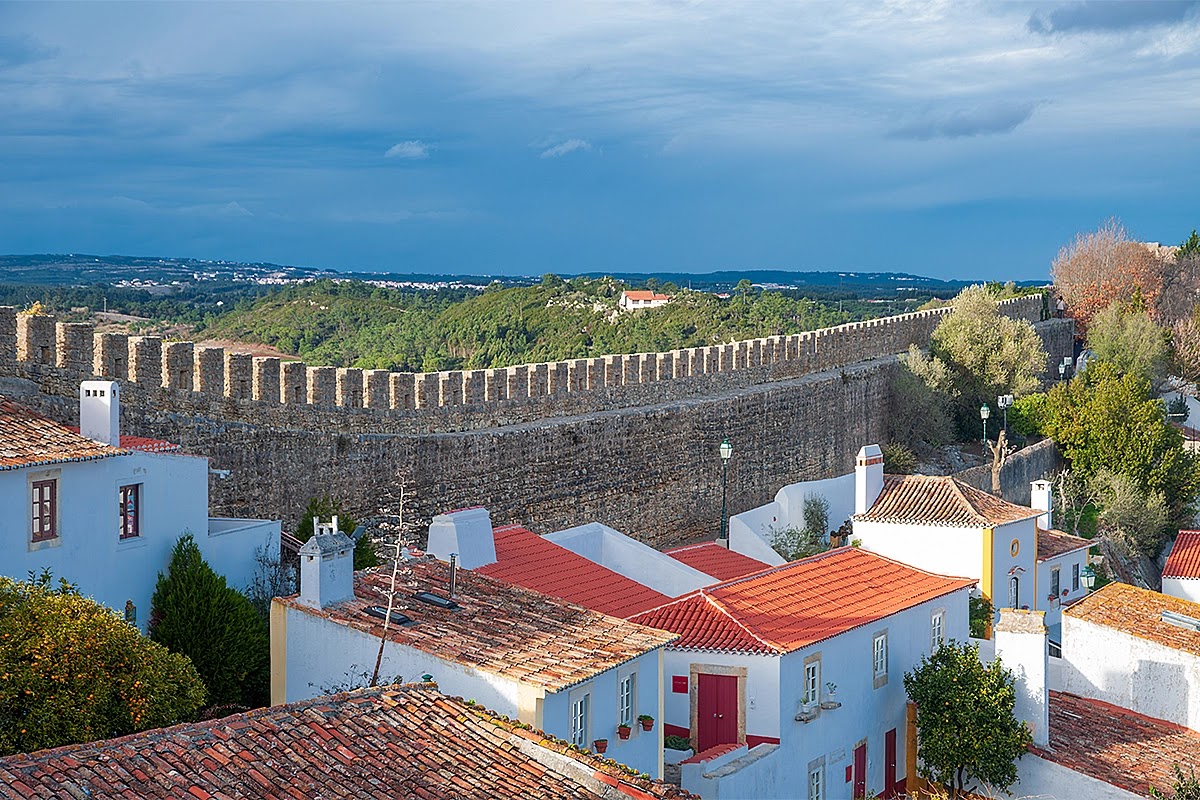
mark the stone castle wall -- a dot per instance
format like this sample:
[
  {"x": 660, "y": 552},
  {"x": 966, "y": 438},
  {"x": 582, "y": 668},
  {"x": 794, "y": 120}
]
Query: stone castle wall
[{"x": 626, "y": 440}]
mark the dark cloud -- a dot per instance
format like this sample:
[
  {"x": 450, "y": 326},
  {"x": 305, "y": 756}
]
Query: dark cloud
[
  {"x": 17, "y": 50},
  {"x": 1110, "y": 15},
  {"x": 977, "y": 121}
]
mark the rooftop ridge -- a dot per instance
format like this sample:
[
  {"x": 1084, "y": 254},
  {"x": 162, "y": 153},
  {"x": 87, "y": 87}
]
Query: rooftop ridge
[{"x": 720, "y": 607}]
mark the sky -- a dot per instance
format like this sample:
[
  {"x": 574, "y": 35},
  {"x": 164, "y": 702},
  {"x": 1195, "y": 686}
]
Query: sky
[{"x": 949, "y": 139}]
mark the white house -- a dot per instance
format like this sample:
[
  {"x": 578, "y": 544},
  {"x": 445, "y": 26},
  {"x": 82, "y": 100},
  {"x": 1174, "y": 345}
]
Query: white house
[
  {"x": 103, "y": 510},
  {"x": 571, "y": 672},
  {"x": 640, "y": 298},
  {"x": 789, "y": 681},
  {"x": 1181, "y": 574}
]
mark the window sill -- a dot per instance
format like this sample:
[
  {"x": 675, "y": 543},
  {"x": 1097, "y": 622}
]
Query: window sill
[
  {"x": 132, "y": 543},
  {"x": 45, "y": 544}
]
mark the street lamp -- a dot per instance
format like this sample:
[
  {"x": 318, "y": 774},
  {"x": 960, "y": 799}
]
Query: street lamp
[
  {"x": 1004, "y": 401},
  {"x": 984, "y": 413},
  {"x": 1089, "y": 577},
  {"x": 1062, "y": 371},
  {"x": 726, "y": 453}
]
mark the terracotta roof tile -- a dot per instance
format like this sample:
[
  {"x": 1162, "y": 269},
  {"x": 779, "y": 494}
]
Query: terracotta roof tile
[
  {"x": 791, "y": 606},
  {"x": 1184, "y": 561},
  {"x": 142, "y": 443},
  {"x": 500, "y": 628},
  {"x": 526, "y": 559},
  {"x": 1138, "y": 612},
  {"x": 27, "y": 439},
  {"x": 713, "y": 559},
  {"x": 1116, "y": 745},
  {"x": 941, "y": 500},
  {"x": 1052, "y": 543},
  {"x": 644, "y": 295},
  {"x": 410, "y": 742}
]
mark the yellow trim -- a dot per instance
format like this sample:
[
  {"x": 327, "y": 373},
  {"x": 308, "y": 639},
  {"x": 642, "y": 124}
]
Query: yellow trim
[
  {"x": 278, "y": 653},
  {"x": 985, "y": 581}
]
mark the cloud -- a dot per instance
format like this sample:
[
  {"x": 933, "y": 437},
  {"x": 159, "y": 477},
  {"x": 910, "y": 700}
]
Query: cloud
[
  {"x": 569, "y": 146},
  {"x": 977, "y": 121},
  {"x": 412, "y": 150},
  {"x": 17, "y": 50},
  {"x": 1110, "y": 15}
]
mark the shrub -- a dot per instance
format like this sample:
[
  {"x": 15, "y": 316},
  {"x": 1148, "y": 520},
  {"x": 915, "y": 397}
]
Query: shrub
[
  {"x": 980, "y": 614},
  {"x": 193, "y": 612},
  {"x": 898, "y": 459},
  {"x": 73, "y": 671},
  {"x": 677, "y": 743}
]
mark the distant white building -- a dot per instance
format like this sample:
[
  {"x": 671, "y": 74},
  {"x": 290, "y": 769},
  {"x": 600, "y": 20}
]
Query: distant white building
[
  {"x": 104, "y": 510},
  {"x": 638, "y": 299},
  {"x": 1181, "y": 574}
]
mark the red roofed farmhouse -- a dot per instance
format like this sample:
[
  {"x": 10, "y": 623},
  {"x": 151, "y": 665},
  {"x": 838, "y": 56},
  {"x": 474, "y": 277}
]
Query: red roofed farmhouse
[
  {"x": 641, "y": 298},
  {"x": 1181, "y": 575},
  {"x": 793, "y": 674}
]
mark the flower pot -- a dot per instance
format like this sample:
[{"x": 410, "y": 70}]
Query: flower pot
[
  {"x": 647, "y": 724},
  {"x": 600, "y": 745},
  {"x": 623, "y": 731}
]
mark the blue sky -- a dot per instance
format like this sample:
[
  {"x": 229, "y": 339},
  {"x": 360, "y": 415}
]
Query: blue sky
[{"x": 951, "y": 139}]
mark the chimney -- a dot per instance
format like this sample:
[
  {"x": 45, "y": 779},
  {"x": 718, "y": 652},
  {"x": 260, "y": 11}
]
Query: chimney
[
  {"x": 1021, "y": 647},
  {"x": 100, "y": 411},
  {"x": 326, "y": 567},
  {"x": 868, "y": 477},
  {"x": 1041, "y": 497},
  {"x": 468, "y": 533}
]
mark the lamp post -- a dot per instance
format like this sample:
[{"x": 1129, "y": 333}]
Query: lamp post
[
  {"x": 726, "y": 450},
  {"x": 1089, "y": 577},
  {"x": 984, "y": 413},
  {"x": 1004, "y": 401},
  {"x": 1062, "y": 371}
]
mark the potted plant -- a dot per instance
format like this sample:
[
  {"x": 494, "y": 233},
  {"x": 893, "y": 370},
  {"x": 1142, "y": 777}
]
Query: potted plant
[
  {"x": 830, "y": 701},
  {"x": 647, "y": 722},
  {"x": 623, "y": 731},
  {"x": 600, "y": 745}
]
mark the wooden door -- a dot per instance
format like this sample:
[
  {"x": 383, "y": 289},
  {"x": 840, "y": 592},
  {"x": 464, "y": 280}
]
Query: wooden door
[
  {"x": 860, "y": 771},
  {"x": 889, "y": 763},
  {"x": 716, "y": 710}
]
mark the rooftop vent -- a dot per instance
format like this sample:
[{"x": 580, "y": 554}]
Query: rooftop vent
[
  {"x": 379, "y": 612},
  {"x": 1181, "y": 620},
  {"x": 436, "y": 600}
]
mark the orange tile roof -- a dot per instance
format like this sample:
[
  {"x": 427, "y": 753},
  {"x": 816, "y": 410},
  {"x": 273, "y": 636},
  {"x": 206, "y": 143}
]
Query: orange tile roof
[
  {"x": 1138, "y": 612},
  {"x": 644, "y": 295},
  {"x": 1116, "y": 745},
  {"x": 791, "y": 606},
  {"x": 1184, "y": 561},
  {"x": 27, "y": 439},
  {"x": 142, "y": 443},
  {"x": 713, "y": 559},
  {"x": 526, "y": 559},
  {"x": 941, "y": 500},
  {"x": 392, "y": 742},
  {"x": 500, "y": 628},
  {"x": 1052, "y": 543}
]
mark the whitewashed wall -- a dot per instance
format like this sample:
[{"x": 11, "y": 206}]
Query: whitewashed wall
[
  {"x": 1184, "y": 588},
  {"x": 1053, "y": 608},
  {"x": 762, "y": 688},
  {"x": 629, "y": 557},
  {"x": 751, "y": 531},
  {"x": 1046, "y": 780},
  {"x": 936, "y": 548}
]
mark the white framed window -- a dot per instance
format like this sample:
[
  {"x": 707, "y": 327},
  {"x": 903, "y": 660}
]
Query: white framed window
[
  {"x": 879, "y": 658},
  {"x": 937, "y": 630},
  {"x": 1074, "y": 577},
  {"x": 1055, "y": 581},
  {"x": 816, "y": 779},
  {"x": 580, "y": 710},
  {"x": 1014, "y": 592},
  {"x": 626, "y": 699},
  {"x": 812, "y": 681}
]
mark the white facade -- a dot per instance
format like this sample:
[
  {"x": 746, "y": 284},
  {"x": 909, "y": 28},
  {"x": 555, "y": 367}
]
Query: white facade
[
  {"x": 609, "y": 548},
  {"x": 1183, "y": 588},
  {"x": 631, "y": 301},
  {"x": 1070, "y": 568},
  {"x": 751, "y": 531}
]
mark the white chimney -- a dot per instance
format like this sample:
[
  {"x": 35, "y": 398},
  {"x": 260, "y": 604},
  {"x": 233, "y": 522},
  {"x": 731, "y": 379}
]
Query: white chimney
[
  {"x": 1021, "y": 647},
  {"x": 868, "y": 477},
  {"x": 468, "y": 533},
  {"x": 1041, "y": 497},
  {"x": 326, "y": 567},
  {"x": 100, "y": 411}
]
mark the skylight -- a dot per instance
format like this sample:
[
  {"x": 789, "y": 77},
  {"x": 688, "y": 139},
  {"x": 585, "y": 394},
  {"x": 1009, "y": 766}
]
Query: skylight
[
  {"x": 379, "y": 612},
  {"x": 436, "y": 600}
]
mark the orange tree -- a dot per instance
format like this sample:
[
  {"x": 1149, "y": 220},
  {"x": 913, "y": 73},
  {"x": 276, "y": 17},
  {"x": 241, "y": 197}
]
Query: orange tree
[{"x": 72, "y": 671}]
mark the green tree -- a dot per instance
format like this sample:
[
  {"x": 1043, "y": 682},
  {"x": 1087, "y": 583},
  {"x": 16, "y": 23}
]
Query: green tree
[
  {"x": 193, "y": 612},
  {"x": 965, "y": 724},
  {"x": 1131, "y": 342},
  {"x": 73, "y": 671},
  {"x": 326, "y": 508},
  {"x": 1189, "y": 246},
  {"x": 1139, "y": 517},
  {"x": 793, "y": 542},
  {"x": 1184, "y": 787}
]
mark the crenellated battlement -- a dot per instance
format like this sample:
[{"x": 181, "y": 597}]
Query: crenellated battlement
[{"x": 250, "y": 387}]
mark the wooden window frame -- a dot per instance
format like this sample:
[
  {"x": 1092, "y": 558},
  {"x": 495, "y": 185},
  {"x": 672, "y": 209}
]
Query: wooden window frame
[
  {"x": 124, "y": 533},
  {"x": 44, "y": 511}
]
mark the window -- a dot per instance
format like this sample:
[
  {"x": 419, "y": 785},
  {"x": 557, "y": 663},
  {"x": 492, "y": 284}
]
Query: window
[
  {"x": 131, "y": 511},
  {"x": 936, "y": 630},
  {"x": 1055, "y": 582},
  {"x": 880, "y": 659},
  {"x": 812, "y": 682},
  {"x": 1074, "y": 577},
  {"x": 816, "y": 784},
  {"x": 626, "y": 688},
  {"x": 1014, "y": 592},
  {"x": 45, "y": 510},
  {"x": 579, "y": 718}
]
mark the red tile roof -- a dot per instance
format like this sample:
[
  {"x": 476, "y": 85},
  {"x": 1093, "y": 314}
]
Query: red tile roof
[
  {"x": 142, "y": 443},
  {"x": 394, "y": 742},
  {"x": 1138, "y": 612},
  {"x": 794, "y": 605},
  {"x": 1116, "y": 745},
  {"x": 27, "y": 439},
  {"x": 500, "y": 628},
  {"x": 1053, "y": 543},
  {"x": 713, "y": 559},
  {"x": 1184, "y": 561},
  {"x": 941, "y": 500},
  {"x": 644, "y": 295},
  {"x": 526, "y": 559}
]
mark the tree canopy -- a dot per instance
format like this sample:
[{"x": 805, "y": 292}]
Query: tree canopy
[
  {"x": 965, "y": 724},
  {"x": 1104, "y": 265},
  {"x": 1124, "y": 336},
  {"x": 72, "y": 670}
]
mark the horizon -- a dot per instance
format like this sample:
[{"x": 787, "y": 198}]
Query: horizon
[{"x": 952, "y": 141}]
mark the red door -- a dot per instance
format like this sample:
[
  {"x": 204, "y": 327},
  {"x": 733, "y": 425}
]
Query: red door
[
  {"x": 889, "y": 763},
  {"x": 860, "y": 771},
  {"x": 716, "y": 710}
]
